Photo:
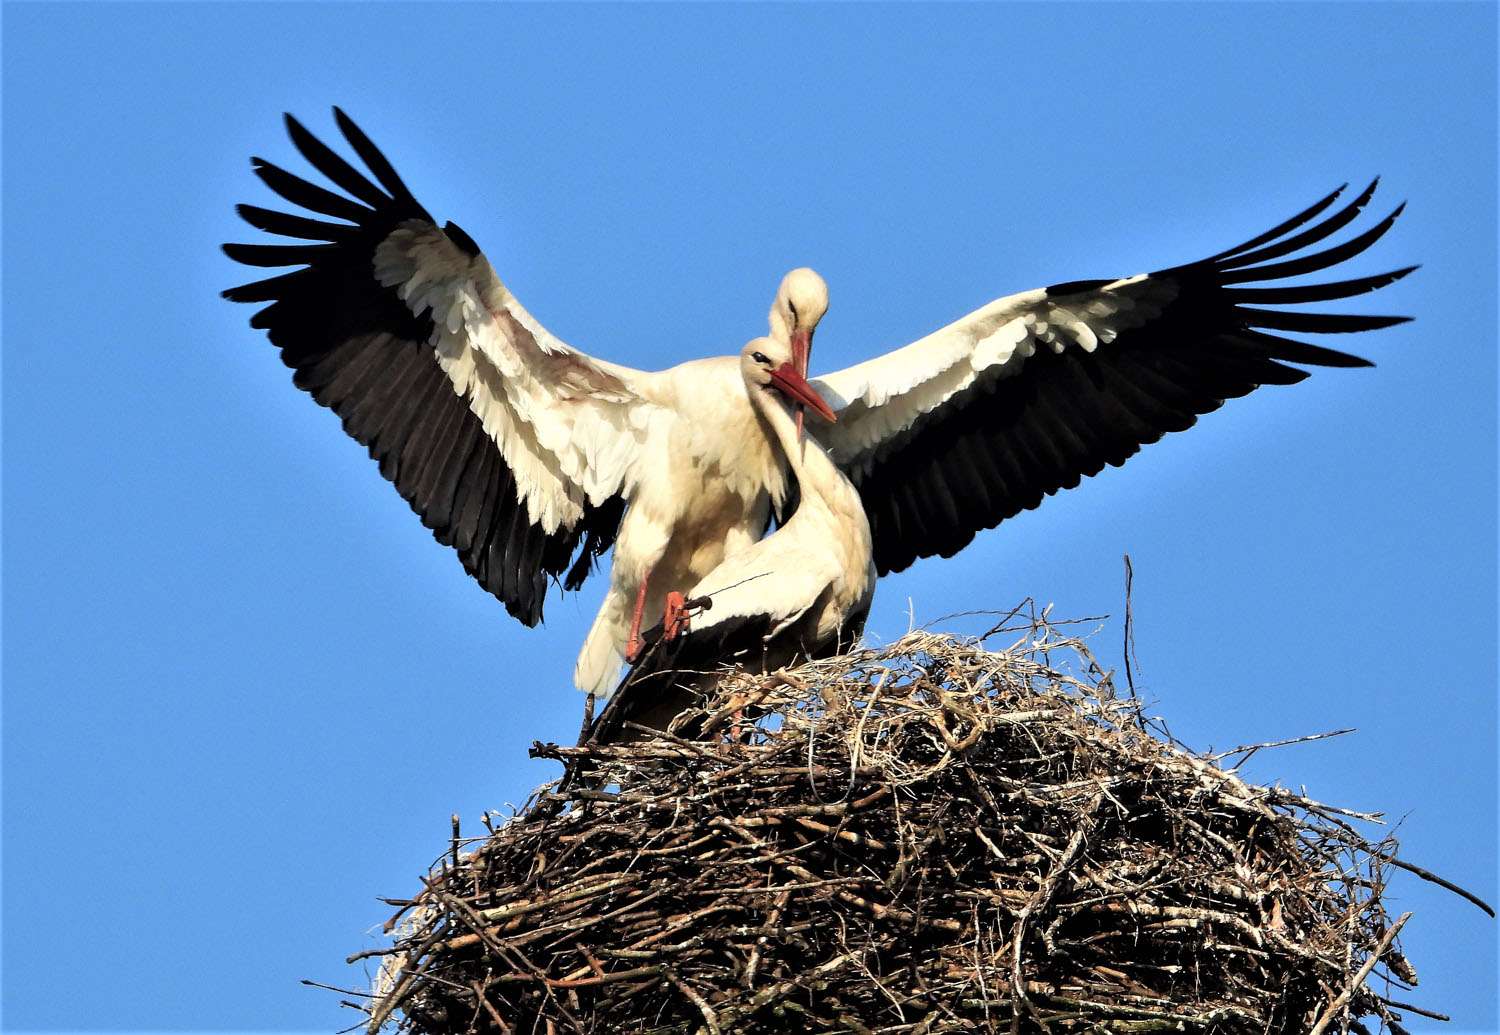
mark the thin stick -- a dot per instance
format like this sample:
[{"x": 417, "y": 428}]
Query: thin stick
[
  {"x": 1435, "y": 879},
  {"x": 453, "y": 849},
  {"x": 1342, "y": 999},
  {"x": 1251, "y": 749},
  {"x": 1416, "y": 1009},
  {"x": 709, "y": 1016},
  {"x": 1130, "y": 630}
]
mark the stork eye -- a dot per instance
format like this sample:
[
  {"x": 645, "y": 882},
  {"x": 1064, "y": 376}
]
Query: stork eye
[
  {"x": 760, "y": 357},
  {"x": 793, "y": 307}
]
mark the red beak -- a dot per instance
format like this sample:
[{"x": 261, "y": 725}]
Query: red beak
[
  {"x": 801, "y": 350},
  {"x": 801, "y": 356},
  {"x": 795, "y": 387}
]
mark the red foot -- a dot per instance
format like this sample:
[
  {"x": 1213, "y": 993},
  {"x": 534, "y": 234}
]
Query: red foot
[{"x": 675, "y": 618}]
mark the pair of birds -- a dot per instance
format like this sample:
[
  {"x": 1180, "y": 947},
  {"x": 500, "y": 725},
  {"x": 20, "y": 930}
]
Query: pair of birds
[{"x": 531, "y": 459}]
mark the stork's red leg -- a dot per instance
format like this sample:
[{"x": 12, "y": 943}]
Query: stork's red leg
[
  {"x": 675, "y": 618},
  {"x": 633, "y": 644}
]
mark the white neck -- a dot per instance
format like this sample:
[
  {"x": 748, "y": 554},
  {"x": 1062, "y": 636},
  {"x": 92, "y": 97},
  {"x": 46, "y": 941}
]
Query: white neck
[
  {"x": 820, "y": 479},
  {"x": 830, "y": 520}
]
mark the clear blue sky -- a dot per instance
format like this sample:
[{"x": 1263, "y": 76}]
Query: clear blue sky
[{"x": 244, "y": 688}]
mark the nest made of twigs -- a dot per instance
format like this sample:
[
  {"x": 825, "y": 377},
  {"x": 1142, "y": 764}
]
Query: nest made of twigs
[{"x": 930, "y": 837}]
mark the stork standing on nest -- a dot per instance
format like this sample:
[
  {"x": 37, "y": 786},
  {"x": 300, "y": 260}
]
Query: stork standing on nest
[
  {"x": 800, "y": 593},
  {"x": 526, "y": 456}
]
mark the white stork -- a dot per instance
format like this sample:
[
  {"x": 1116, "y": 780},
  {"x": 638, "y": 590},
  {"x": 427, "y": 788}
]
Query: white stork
[
  {"x": 528, "y": 457},
  {"x": 531, "y": 458},
  {"x": 801, "y": 592}
]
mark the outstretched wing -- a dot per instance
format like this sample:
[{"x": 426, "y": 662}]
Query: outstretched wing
[
  {"x": 515, "y": 449},
  {"x": 984, "y": 418}
]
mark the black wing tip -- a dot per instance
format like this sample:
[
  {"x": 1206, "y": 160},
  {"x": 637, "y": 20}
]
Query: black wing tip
[
  {"x": 1301, "y": 231},
  {"x": 265, "y": 167},
  {"x": 295, "y": 125},
  {"x": 1240, "y": 266},
  {"x": 240, "y": 293},
  {"x": 1332, "y": 196},
  {"x": 1369, "y": 192},
  {"x": 1360, "y": 200},
  {"x": 242, "y": 254},
  {"x": 1342, "y": 360},
  {"x": 376, "y": 162},
  {"x": 235, "y": 251},
  {"x": 1395, "y": 275}
]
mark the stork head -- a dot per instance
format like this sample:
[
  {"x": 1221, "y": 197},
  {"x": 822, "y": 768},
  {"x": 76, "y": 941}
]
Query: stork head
[
  {"x": 770, "y": 366},
  {"x": 800, "y": 303}
]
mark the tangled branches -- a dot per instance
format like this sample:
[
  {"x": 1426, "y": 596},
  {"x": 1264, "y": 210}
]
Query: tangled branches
[{"x": 926, "y": 838}]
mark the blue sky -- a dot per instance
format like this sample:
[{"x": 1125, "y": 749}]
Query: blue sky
[{"x": 244, "y": 689}]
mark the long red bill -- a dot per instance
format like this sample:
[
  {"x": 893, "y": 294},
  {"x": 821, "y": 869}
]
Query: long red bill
[
  {"x": 801, "y": 350},
  {"x": 801, "y": 355},
  {"x": 795, "y": 387}
]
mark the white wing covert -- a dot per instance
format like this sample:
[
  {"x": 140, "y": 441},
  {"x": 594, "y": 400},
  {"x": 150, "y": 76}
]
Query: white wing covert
[
  {"x": 987, "y": 416},
  {"x": 515, "y": 449}
]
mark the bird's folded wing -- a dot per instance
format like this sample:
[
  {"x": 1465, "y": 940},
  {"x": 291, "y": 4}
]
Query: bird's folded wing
[
  {"x": 512, "y": 447},
  {"x": 751, "y": 601},
  {"x": 778, "y": 586},
  {"x": 985, "y": 417}
]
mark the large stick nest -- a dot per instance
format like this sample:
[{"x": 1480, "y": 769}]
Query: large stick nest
[{"x": 926, "y": 838}]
